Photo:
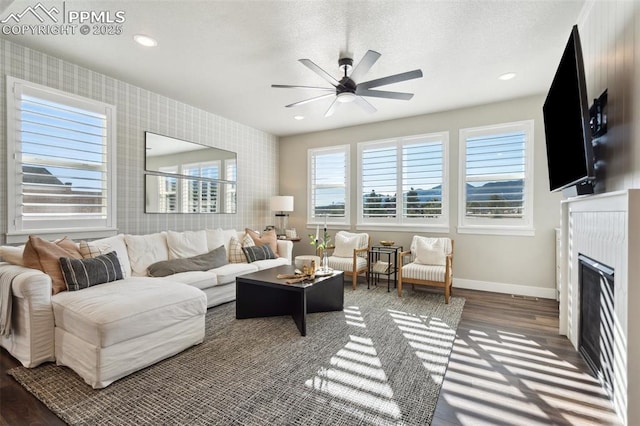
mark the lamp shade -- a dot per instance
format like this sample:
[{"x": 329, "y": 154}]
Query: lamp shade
[{"x": 282, "y": 203}]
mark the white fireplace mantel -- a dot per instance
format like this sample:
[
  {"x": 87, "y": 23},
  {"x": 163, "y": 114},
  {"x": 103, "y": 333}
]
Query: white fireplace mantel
[{"x": 606, "y": 227}]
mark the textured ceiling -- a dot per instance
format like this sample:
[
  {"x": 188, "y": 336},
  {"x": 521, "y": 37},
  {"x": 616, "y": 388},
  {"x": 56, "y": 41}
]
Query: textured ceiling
[{"x": 223, "y": 56}]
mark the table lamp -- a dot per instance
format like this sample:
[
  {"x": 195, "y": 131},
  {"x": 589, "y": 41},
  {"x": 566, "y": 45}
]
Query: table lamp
[{"x": 281, "y": 204}]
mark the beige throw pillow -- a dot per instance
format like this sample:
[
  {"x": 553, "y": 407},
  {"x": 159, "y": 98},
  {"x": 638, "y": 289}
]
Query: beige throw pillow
[
  {"x": 45, "y": 256},
  {"x": 267, "y": 237}
]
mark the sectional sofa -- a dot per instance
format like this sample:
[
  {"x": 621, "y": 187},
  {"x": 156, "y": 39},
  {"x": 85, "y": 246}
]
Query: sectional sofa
[{"x": 109, "y": 330}]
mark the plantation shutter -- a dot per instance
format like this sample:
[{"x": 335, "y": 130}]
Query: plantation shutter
[
  {"x": 422, "y": 176},
  {"x": 62, "y": 168},
  {"x": 495, "y": 175},
  {"x": 328, "y": 183},
  {"x": 379, "y": 181}
]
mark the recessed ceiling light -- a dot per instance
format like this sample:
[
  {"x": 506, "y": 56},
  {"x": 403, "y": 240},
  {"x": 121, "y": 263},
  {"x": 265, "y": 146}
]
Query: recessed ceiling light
[
  {"x": 507, "y": 76},
  {"x": 299, "y": 117},
  {"x": 145, "y": 40}
]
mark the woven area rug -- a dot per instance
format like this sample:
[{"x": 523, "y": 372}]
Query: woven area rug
[{"x": 381, "y": 361}]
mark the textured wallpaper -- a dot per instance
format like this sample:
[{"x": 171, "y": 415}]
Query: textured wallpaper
[{"x": 139, "y": 110}]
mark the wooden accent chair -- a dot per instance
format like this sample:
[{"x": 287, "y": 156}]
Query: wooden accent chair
[
  {"x": 351, "y": 255},
  {"x": 431, "y": 263}
]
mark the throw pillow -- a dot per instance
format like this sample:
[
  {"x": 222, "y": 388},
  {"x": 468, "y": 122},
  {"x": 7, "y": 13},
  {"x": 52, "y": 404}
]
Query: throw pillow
[
  {"x": 116, "y": 243},
  {"x": 345, "y": 244},
  {"x": 44, "y": 255},
  {"x": 258, "y": 253},
  {"x": 84, "y": 273},
  {"x": 187, "y": 244},
  {"x": 430, "y": 251},
  {"x": 12, "y": 254},
  {"x": 203, "y": 262},
  {"x": 267, "y": 237},
  {"x": 89, "y": 250},
  {"x": 236, "y": 255}
]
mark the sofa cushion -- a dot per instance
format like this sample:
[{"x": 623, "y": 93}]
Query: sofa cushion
[
  {"x": 83, "y": 273},
  {"x": 197, "y": 279},
  {"x": 44, "y": 255},
  {"x": 267, "y": 237},
  {"x": 203, "y": 262},
  {"x": 258, "y": 253},
  {"x": 145, "y": 250},
  {"x": 12, "y": 254},
  {"x": 270, "y": 263},
  {"x": 110, "y": 313},
  {"x": 104, "y": 245},
  {"x": 228, "y": 273},
  {"x": 187, "y": 244}
]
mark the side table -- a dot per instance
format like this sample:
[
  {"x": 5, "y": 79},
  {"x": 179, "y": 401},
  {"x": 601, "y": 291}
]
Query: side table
[{"x": 388, "y": 254}]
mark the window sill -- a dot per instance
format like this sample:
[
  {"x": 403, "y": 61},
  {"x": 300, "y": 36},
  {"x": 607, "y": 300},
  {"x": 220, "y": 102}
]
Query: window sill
[
  {"x": 440, "y": 229},
  {"x": 74, "y": 234},
  {"x": 497, "y": 230}
]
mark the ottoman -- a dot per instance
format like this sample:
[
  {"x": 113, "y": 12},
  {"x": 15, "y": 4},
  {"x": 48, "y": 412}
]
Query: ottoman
[{"x": 108, "y": 331}]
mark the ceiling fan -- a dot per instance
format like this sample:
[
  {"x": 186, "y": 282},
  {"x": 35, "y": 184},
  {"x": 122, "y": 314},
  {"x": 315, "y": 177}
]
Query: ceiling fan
[{"x": 348, "y": 89}]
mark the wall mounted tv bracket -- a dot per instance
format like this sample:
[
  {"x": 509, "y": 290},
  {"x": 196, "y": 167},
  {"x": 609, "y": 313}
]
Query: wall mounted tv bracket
[
  {"x": 598, "y": 114},
  {"x": 598, "y": 124}
]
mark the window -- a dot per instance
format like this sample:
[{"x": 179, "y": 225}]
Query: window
[
  {"x": 414, "y": 167},
  {"x": 328, "y": 185},
  {"x": 61, "y": 160},
  {"x": 496, "y": 166},
  {"x": 202, "y": 190}
]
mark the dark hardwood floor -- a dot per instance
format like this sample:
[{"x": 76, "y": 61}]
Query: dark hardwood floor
[{"x": 509, "y": 366}]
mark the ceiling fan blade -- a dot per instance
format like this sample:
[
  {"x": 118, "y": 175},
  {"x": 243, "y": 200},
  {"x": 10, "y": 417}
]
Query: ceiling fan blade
[
  {"x": 322, "y": 73},
  {"x": 332, "y": 108},
  {"x": 365, "y": 104},
  {"x": 396, "y": 78},
  {"x": 286, "y": 86},
  {"x": 364, "y": 65},
  {"x": 384, "y": 94},
  {"x": 306, "y": 101}
]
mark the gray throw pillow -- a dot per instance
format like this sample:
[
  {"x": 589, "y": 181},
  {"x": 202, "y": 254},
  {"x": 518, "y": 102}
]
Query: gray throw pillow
[
  {"x": 203, "y": 262},
  {"x": 254, "y": 253},
  {"x": 84, "y": 273}
]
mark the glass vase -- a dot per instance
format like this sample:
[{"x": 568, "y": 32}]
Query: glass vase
[{"x": 325, "y": 261}]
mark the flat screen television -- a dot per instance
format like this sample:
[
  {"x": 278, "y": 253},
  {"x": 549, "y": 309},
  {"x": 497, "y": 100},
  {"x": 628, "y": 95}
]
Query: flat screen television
[{"x": 566, "y": 123}]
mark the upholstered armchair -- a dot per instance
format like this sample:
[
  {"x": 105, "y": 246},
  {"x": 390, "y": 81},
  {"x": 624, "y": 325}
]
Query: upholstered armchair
[
  {"x": 350, "y": 255},
  {"x": 429, "y": 262}
]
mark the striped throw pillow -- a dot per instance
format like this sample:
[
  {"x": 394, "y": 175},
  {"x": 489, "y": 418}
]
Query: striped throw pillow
[
  {"x": 258, "y": 253},
  {"x": 84, "y": 273}
]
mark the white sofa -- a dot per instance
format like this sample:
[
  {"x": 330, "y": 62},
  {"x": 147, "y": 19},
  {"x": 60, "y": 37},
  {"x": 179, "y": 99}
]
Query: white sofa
[{"x": 108, "y": 331}]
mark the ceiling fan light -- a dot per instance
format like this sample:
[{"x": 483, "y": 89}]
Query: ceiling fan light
[{"x": 345, "y": 97}]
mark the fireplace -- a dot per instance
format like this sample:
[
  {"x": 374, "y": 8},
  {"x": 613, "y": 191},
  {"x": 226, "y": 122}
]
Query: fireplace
[{"x": 597, "y": 319}]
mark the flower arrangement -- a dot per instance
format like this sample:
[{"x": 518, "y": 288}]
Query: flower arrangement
[{"x": 320, "y": 243}]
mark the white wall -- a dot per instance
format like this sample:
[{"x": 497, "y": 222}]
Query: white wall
[
  {"x": 610, "y": 35},
  {"x": 139, "y": 110},
  {"x": 519, "y": 265}
]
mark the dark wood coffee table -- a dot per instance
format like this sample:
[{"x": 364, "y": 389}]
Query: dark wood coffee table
[{"x": 261, "y": 294}]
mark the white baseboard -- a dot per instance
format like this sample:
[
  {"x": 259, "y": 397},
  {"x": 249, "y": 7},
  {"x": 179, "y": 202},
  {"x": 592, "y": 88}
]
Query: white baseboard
[{"x": 516, "y": 289}]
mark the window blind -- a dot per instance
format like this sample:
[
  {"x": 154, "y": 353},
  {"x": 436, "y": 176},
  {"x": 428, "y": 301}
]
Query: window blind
[
  {"x": 328, "y": 183},
  {"x": 62, "y": 176},
  {"x": 495, "y": 175}
]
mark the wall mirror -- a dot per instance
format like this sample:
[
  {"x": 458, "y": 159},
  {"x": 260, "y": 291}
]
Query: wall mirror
[{"x": 186, "y": 177}]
